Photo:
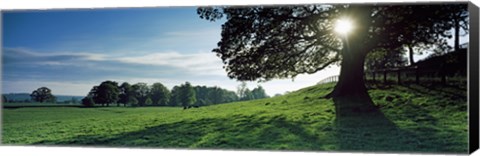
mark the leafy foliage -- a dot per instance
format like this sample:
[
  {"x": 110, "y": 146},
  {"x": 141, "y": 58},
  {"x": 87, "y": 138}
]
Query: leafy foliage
[
  {"x": 160, "y": 95},
  {"x": 106, "y": 93},
  {"x": 141, "y": 92},
  {"x": 88, "y": 101},
  {"x": 267, "y": 42},
  {"x": 42, "y": 94},
  {"x": 187, "y": 95}
]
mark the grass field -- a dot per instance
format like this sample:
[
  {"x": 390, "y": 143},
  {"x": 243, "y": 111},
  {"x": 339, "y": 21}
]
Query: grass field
[{"x": 418, "y": 119}]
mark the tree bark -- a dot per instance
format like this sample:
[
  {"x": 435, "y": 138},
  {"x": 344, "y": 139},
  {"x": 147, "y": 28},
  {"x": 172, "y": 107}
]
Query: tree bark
[
  {"x": 410, "y": 53},
  {"x": 350, "y": 82}
]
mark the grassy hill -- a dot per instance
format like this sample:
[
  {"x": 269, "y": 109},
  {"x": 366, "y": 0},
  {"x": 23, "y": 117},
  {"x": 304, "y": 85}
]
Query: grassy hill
[{"x": 415, "y": 119}]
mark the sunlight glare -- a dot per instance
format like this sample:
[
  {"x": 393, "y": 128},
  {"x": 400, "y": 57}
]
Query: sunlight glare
[{"x": 343, "y": 26}]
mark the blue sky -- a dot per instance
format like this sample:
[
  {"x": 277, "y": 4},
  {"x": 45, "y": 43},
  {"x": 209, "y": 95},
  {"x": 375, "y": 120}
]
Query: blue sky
[
  {"x": 72, "y": 50},
  {"x": 69, "y": 51}
]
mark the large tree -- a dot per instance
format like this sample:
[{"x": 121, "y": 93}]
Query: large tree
[
  {"x": 160, "y": 95},
  {"x": 106, "y": 93},
  {"x": 175, "y": 96},
  {"x": 42, "y": 94},
  {"x": 126, "y": 94},
  {"x": 141, "y": 92},
  {"x": 268, "y": 42},
  {"x": 186, "y": 95}
]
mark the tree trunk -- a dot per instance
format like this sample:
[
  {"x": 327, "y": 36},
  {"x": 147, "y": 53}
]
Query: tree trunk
[
  {"x": 457, "y": 35},
  {"x": 350, "y": 82},
  {"x": 410, "y": 53},
  {"x": 399, "y": 76},
  {"x": 417, "y": 75},
  {"x": 350, "y": 93}
]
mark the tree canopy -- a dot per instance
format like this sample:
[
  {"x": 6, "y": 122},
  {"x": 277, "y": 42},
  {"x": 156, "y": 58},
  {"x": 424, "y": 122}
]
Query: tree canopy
[
  {"x": 267, "y": 42},
  {"x": 106, "y": 93},
  {"x": 42, "y": 94},
  {"x": 160, "y": 95}
]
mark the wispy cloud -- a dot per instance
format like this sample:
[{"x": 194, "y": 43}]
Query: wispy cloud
[
  {"x": 198, "y": 63},
  {"x": 29, "y": 55}
]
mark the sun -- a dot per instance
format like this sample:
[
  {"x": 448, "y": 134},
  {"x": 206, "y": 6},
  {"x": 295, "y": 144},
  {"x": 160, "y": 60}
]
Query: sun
[{"x": 343, "y": 26}]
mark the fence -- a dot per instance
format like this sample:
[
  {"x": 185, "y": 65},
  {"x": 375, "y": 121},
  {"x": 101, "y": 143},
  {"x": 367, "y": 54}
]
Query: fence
[
  {"x": 414, "y": 74},
  {"x": 329, "y": 79}
]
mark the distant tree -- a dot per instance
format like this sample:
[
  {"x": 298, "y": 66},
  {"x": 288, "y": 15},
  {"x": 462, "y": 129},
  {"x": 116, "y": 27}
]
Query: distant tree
[
  {"x": 74, "y": 100},
  {"x": 259, "y": 93},
  {"x": 141, "y": 91},
  {"x": 106, "y": 93},
  {"x": 175, "y": 96},
  {"x": 148, "y": 101},
  {"x": 201, "y": 94},
  {"x": 160, "y": 95},
  {"x": 126, "y": 94},
  {"x": 187, "y": 95},
  {"x": 247, "y": 95},
  {"x": 215, "y": 95},
  {"x": 42, "y": 94},
  {"x": 384, "y": 59},
  {"x": 88, "y": 101},
  {"x": 241, "y": 89},
  {"x": 456, "y": 16},
  {"x": 230, "y": 96},
  {"x": 4, "y": 99},
  {"x": 133, "y": 101}
]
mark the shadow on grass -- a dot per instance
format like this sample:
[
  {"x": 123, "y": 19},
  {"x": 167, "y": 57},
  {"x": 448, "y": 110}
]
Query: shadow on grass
[
  {"x": 370, "y": 130},
  {"x": 353, "y": 130},
  {"x": 236, "y": 132}
]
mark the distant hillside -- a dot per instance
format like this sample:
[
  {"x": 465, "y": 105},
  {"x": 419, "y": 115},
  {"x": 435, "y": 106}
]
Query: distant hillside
[
  {"x": 452, "y": 63},
  {"x": 26, "y": 96}
]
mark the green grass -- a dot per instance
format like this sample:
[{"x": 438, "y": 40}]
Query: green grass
[{"x": 416, "y": 119}]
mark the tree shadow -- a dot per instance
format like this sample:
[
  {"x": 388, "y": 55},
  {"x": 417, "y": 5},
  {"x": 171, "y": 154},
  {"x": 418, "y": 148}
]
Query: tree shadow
[
  {"x": 353, "y": 130},
  {"x": 236, "y": 132},
  {"x": 370, "y": 130}
]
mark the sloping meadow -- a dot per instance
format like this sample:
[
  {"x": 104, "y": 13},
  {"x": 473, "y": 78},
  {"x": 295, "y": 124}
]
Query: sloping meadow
[{"x": 424, "y": 119}]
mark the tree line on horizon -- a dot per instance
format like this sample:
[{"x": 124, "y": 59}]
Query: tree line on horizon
[{"x": 157, "y": 94}]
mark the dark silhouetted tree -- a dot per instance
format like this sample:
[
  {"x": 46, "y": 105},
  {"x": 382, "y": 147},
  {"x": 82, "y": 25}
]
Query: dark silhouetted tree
[
  {"x": 4, "y": 99},
  {"x": 106, "y": 93},
  {"x": 160, "y": 95},
  {"x": 88, "y": 101},
  {"x": 456, "y": 17},
  {"x": 126, "y": 94},
  {"x": 42, "y": 94},
  {"x": 267, "y": 42}
]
